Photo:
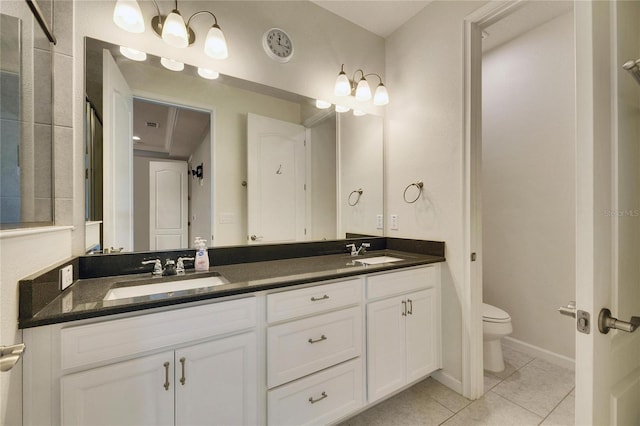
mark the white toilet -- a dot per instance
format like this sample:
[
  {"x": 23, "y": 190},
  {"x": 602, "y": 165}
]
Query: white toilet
[{"x": 496, "y": 324}]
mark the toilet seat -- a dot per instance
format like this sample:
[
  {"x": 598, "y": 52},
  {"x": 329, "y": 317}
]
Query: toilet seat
[{"x": 491, "y": 313}]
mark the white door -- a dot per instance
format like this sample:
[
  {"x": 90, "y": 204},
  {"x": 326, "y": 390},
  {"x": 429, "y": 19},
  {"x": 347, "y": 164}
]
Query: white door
[
  {"x": 117, "y": 157},
  {"x": 220, "y": 385},
  {"x": 276, "y": 171},
  {"x": 168, "y": 210},
  {"x": 127, "y": 393},
  {"x": 608, "y": 199},
  {"x": 422, "y": 328},
  {"x": 385, "y": 347}
]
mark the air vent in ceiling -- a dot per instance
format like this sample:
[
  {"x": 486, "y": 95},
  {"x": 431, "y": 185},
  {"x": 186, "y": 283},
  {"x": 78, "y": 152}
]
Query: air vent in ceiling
[{"x": 152, "y": 124}]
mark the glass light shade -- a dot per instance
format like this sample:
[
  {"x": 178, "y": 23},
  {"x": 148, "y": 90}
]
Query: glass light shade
[
  {"x": 137, "y": 138},
  {"x": 363, "y": 92},
  {"x": 358, "y": 113},
  {"x": 172, "y": 64},
  {"x": 133, "y": 54},
  {"x": 320, "y": 104},
  {"x": 215, "y": 44},
  {"x": 341, "y": 108},
  {"x": 174, "y": 31},
  {"x": 128, "y": 16},
  {"x": 343, "y": 86},
  {"x": 381, "y": 96},
  {"x": 208, "y": 74}
]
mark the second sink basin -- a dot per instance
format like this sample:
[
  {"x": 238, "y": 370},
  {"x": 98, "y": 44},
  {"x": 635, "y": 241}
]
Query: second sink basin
[
  {"x": 378, "y": 260},
  {"x": 163, "y": 287}
]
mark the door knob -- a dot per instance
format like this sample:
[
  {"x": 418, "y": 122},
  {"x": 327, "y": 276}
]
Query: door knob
[
  {"x": 255, "y": 238},
  {"x": 606, "y": 322}
]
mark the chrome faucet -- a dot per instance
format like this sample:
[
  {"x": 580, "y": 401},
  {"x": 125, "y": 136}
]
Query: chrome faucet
[
  {"x": 358, "y": 251},
  {"x": 157, "y": 266},
  {"x": 180, "y": 264}
]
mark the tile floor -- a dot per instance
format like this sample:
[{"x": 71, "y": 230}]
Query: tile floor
[{"x": 530, "y": 391}]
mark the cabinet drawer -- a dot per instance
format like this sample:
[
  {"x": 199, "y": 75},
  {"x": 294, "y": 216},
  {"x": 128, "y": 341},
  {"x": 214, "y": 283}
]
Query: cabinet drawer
[
  {"x": 312, "y": 300},
  {"x": 318, "y": 399},
  {"x": 302, "y": 347},
  {"x": 392, "y": 283},
  {"x": 91, "y": 343}
]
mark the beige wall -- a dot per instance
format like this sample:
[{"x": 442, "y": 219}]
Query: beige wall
[{"x": 528, "y": 182}]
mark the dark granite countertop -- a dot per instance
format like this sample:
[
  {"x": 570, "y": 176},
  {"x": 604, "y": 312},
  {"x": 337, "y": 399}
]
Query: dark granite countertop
[{"x": 84, "y": 299}]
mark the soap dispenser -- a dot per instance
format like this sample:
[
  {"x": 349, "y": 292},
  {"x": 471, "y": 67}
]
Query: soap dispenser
[{"x": 202, "y": 255}]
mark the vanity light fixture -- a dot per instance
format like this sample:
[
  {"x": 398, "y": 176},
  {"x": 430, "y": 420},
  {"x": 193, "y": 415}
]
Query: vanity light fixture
[
  {"x": 136, "y": 138},
  {"x": 208, "y": 74},
  {"x": 133, "y": 54},
  {"x": 172, "y": 64},
  {"x": 341, "y": 108},
  {"x": 362, "y": 92},
  {"x": 320, "y": 104},
  {"x": 171, "y": 28}
]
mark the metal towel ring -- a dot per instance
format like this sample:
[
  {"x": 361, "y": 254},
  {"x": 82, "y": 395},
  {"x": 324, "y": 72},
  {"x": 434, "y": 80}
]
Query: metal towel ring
[
  {"x": 418, "y": 185},
  {"x": 359, "y": 194}
]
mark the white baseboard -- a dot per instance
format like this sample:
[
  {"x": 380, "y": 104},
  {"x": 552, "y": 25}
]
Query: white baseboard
[
  {"x": 537, "y": 352},
  {"x": 448, "y": 380}
]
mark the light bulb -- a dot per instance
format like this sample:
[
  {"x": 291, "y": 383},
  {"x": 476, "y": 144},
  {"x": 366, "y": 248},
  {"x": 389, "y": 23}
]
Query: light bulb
[
  {"x": 172, "y": 64},
  {"x": 133, "y": 54},
  {"x": 320, "y": 104},
  {"x": 208, "y": 74},
  {"x": 128, "y": 16},
  {"x": 358, "y": 113},
  {"x": 363, "y": 92},
  {"x": 343, "y": 86},
  {"x": 341, "y": 108},
  {"x": 174, "y": 31},
  {"x": 381, "y": 96},
  {"x": 215, "y": 44}
]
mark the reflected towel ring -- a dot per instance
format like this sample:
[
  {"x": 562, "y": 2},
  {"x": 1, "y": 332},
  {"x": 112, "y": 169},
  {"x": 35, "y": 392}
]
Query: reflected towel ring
[
  {"x": 418, "y": 185},
  {"x": 358, "y": 193}
]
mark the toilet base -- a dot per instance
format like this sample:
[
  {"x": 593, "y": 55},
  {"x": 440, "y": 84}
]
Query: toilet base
[{"x": 493, "y": 360}]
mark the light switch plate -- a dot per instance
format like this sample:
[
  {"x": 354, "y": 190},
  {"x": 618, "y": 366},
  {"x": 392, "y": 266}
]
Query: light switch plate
[
  {"x": 66, "y": 277},
  {"x": 379, "y": 222},
  {"x": 394, "y": 222}
]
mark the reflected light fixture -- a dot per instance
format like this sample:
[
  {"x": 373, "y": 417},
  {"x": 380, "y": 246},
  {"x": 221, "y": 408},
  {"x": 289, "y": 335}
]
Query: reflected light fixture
[
  {"x": 362, "y": 92},
  {"x": 358, "y": 113},
  {"x": 172, "y": 64},
  {"x": 133, "y": 54},
  {"x": 208, "y": 74},
  {"x": 341, "y": 108},
  {"x": 320, "y": 104},
  {"x": 171, "y": 28}
]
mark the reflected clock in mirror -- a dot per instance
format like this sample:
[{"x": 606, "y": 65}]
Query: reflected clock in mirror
[{"x": 306, "y": 176}]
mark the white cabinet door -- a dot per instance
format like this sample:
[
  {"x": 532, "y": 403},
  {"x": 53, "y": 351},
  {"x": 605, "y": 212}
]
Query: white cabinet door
[
  {"x": 127, "y": 393},
  {"x": 385, "y": 347},
  {"x": 220, "y": 382},
  {"x": 421, "y": 334}
]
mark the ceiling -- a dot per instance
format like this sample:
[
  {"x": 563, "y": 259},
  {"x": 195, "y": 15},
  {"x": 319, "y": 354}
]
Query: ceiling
[{"x": 381, "y": 17}]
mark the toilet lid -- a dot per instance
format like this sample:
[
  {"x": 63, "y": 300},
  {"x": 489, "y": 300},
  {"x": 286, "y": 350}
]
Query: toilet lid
[{"x": 493, "y": 314}]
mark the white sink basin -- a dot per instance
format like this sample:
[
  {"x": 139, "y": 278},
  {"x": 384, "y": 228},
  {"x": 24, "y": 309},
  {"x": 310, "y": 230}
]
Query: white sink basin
[
  {"x": 163, "y": 287},
  {"x": 378, "y": 260}
]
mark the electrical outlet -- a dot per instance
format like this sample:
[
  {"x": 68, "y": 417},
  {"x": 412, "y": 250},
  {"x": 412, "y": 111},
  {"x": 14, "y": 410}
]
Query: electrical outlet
[
  {"x": 394, "y": 222},
  {"x": 379, "y": 222},
  {"x": 66, "y": 277}
]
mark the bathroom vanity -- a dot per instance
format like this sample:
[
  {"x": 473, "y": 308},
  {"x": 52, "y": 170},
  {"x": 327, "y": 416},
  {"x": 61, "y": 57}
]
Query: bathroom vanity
[{"x": 301, "y": 340}]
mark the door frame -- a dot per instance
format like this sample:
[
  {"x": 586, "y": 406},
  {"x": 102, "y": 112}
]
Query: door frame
[
  {"x": 171, "y": 100},
  {"x": 472, "y": 343}
]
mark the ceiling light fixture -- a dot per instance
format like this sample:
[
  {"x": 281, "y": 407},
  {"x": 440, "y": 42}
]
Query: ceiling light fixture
[
  {"x": 171, "y": 28},
  {"x": 362, "y": 92},
  {"x": 133, "y": 54}
]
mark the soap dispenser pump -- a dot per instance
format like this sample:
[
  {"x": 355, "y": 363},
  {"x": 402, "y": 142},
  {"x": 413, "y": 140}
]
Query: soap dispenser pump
[{"x": 202, "y": 255}]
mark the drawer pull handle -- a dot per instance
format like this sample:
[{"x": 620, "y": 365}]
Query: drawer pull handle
[
  {"x": 404, "y": 308},
  {"x": 323, "y": 337},
  {"x": 313, "y": 401},
  {"x": 410, "y": 311},
  {"x": 183, "y": 379},
  {"x": 315, "y": 299},
  {"x": 166, "y": 376}
]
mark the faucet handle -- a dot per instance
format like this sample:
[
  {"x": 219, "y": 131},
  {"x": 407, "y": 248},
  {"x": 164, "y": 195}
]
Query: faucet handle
[
  {"x": 180, "y": 264},
  {"x": 353, "y": 248},
  {"x": 157, "y": 266}
]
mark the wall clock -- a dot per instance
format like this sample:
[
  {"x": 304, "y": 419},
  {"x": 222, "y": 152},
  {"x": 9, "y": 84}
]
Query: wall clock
[{"x": 278, "y": 45}]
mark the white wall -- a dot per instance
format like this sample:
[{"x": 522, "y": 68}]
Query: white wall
[
  {"x": 200, "y": 193},
  {"x": 424, "y": 141},
  {"x": 528, "y": 182},
  {"x": 323, "y": 179}
]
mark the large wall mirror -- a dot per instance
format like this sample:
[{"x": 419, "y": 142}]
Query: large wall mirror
[
  {"x": 172, "y": 155},
  {"x": 26, "y": 159}
]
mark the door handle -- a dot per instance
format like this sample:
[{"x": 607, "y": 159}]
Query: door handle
[
  {"x": 606, "y": 322},
  {"x": 166, "y": 376},
  {"x": 404, "y": 308},
  {"x": 10, "y": 355},
  {"x": 183, "y": 379},
  {"x": 256, "y": 238},
  {"x": 569, "y": 310}
]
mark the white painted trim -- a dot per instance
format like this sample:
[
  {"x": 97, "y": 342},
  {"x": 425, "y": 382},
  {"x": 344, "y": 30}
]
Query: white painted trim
[
  {"x": 448, "y": 380},
  {"x": 21, "y": 232},
  {"x": 538, "y": 352}
]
